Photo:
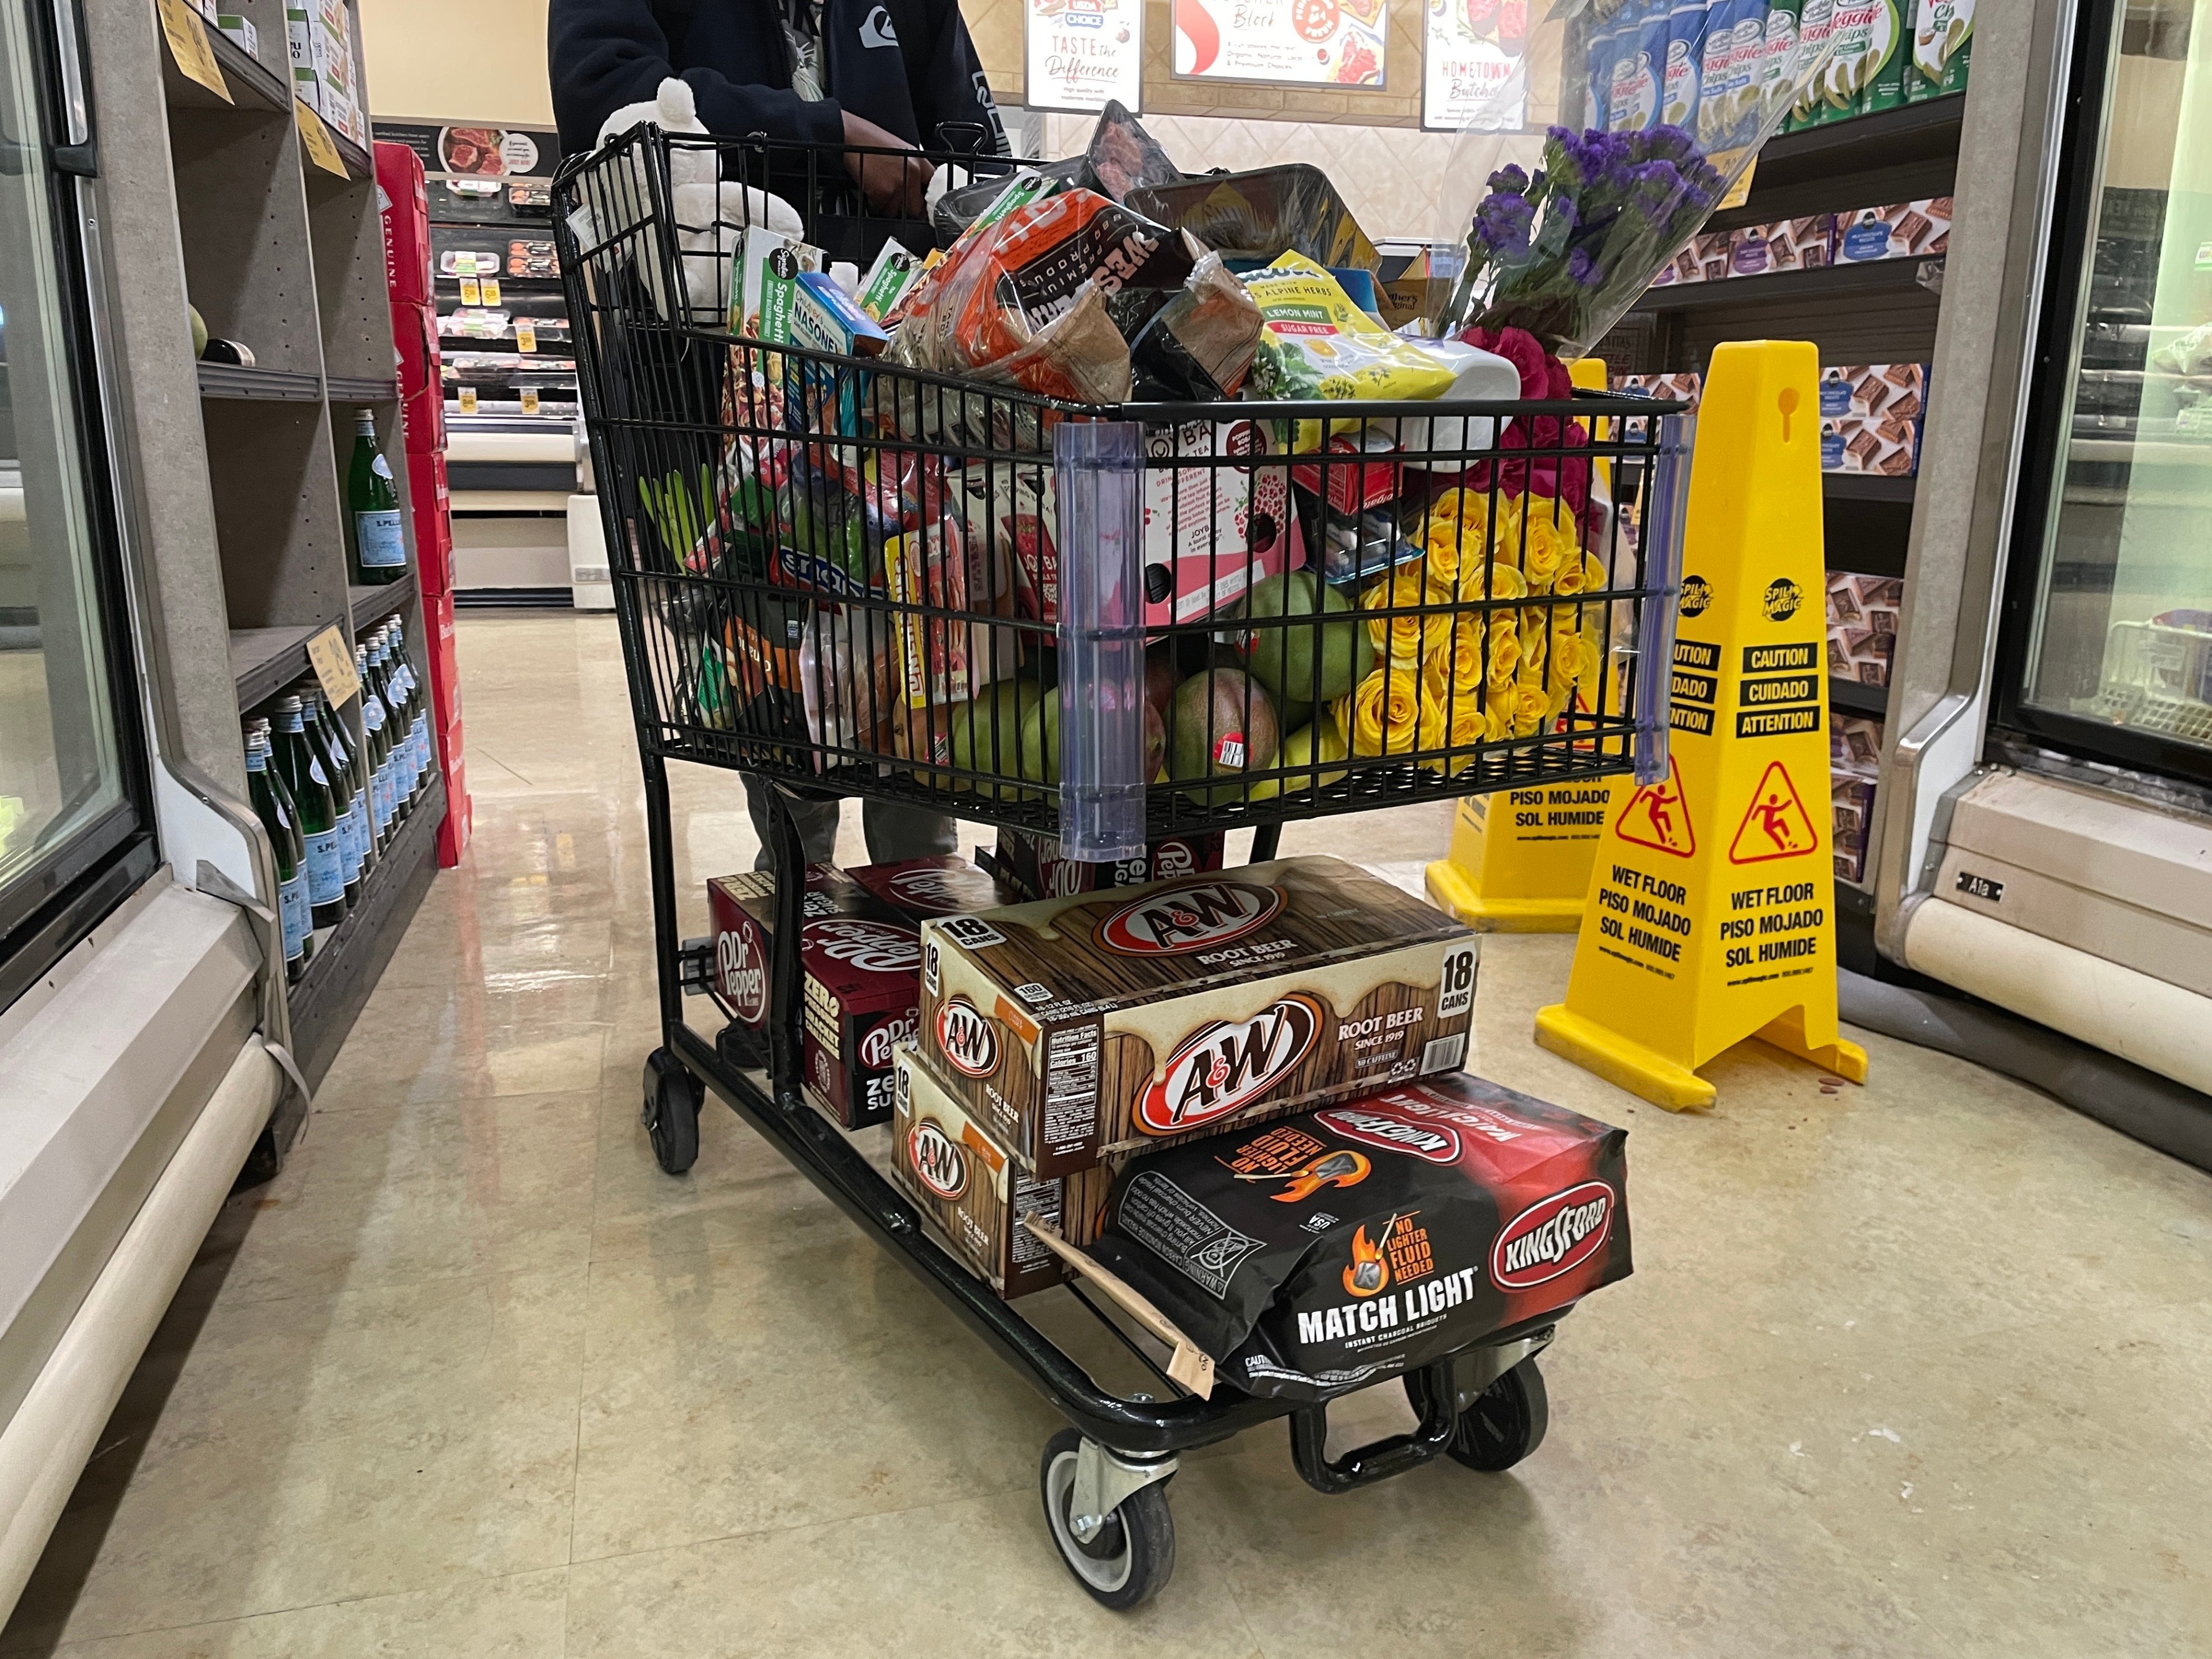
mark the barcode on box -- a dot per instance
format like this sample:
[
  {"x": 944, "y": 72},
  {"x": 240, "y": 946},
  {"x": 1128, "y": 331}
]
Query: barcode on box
[{"x": 1444, "y": 1053}]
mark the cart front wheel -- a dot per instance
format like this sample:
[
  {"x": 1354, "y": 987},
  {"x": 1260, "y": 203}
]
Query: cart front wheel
[
  {"x": 672, "y": 1098},
  {"x": 1129, "y": 1560},
  {"x": 1502, "y": 1425}
]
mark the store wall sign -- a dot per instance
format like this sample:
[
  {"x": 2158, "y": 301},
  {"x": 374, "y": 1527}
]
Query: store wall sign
[
  {"x": 1475, "y": 65},
  {"x": 477, "y": 152},
  {"x": 1082, "y": 54},
  {"x": 1312, "y": 42}
]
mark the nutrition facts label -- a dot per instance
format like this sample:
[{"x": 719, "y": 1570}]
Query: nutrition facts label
[
  {"x": 1038, "y": 1198},
  {"x": 1071, "y": 1086}
]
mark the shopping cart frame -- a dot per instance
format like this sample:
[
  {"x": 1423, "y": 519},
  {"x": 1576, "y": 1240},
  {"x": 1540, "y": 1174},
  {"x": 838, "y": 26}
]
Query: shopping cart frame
[{"x": 1128, "y": 1442}]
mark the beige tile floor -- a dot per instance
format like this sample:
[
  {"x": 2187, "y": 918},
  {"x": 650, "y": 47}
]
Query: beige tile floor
[{"x": 1919, "y": 1368}]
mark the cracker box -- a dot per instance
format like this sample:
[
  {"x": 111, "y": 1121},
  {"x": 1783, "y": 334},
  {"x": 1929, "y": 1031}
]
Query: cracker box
[
  {"x": 1037, "y": 869},
  {"x": 1099, "y": 1023},
  {"x": 860, "y": 965},
  {"x": 976, "y": 1194},
  {"x": 1909, "y": 230}
]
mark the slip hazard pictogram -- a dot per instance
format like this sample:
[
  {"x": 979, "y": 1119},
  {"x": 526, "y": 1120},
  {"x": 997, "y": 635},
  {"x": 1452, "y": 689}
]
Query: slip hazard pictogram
[
  {"x": 1657, "y": 817},
  {"x": 1775, "y": 825}
]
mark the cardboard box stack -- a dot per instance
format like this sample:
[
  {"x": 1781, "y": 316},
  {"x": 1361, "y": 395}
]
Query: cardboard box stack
[
  {"x": 1870, "y": 418},
  {"x": 406, "y": 214},
  {"x": 325, "y": 76},
  {"x": 1909, "y": 230},
  {"x": 1855, "y": 759},
  {"x": 1863, "y": 625}
]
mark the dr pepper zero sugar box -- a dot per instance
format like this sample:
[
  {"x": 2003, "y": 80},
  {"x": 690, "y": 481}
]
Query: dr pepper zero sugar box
[
  {"x": 860, "y": 959},
  {"x": 1077, "y": 1026}
]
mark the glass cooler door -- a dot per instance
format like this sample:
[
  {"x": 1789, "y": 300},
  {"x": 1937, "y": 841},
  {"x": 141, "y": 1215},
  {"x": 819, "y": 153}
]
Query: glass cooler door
[{"x": 2106, "y": 650}]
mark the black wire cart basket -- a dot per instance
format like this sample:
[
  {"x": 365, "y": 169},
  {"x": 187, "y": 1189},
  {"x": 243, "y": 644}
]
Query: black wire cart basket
[{"x": 938, "y": 570}]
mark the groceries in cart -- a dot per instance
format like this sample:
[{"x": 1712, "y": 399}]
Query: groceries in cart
[{"x": 1311, "y": 1256}]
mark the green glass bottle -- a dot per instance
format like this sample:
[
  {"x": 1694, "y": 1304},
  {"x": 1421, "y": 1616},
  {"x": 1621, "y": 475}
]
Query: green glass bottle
[
  {"x": 318, "y": 815},
  {"x": 376, "y": 749},
  {"x": 373, "y": 508},
  {"x": 272, "y": 805},
  {"x": 353, "y": 856}
]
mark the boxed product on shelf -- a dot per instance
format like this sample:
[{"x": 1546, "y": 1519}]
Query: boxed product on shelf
[
  {"x": 1686, "y": 387},
  {"x": 1863, "y": 625},
  {"x": 861, "y": 964},
  {"x": 1787, "y": 245},
  {"x": 1079, "y": 1026},
  {"x": 406, "y": 209},
  {"x": 240, "y": 29},
  {"x": 1035, "y": 865},
  {"x": 1942, "y": 46},
  {"x": 1870, "y": 418},
  {"x": 1909, "y": 230},
  {"x": 1855, "y": 764},
  {"x": 1713, "y": 250},
  {"x": 974, "y": 1190}
]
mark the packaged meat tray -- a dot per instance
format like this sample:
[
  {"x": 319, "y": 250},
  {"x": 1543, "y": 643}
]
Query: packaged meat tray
[
  {"x": 1315, "y": 1254},
  {"x": 1075, "y": 1027}
]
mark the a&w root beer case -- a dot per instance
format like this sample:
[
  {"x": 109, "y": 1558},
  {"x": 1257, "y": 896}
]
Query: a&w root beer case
[
  {"x": 976, "y": 1194},
  {"x": 1098, "y": 1023},
  {"x": 860, "y": 958},
  {"x": 1315, "y": 1254}
]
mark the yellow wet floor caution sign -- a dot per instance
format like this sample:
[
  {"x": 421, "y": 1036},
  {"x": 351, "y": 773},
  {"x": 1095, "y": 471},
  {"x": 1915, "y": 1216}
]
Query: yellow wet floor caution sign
[
  {"x": 1712, "y": 909},
  {"x": 1520, "y": 861}
]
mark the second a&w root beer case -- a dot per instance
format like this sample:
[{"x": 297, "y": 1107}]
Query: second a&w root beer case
[{"x": 1076, "y": 1027}]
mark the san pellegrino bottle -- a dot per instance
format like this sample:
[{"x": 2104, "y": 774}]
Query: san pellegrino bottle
[
  {"x": 403, "y": 724},
  {"x": 353, "y": 853},
  {"x": 318, "y": 818},
  {"x": 418, "y": 709},
  {"x": 372, "y": 505},
  {"x": 376, "y": 749},
  {"x": 346, "y": 751},
  {"x": 272, "y": 805}
]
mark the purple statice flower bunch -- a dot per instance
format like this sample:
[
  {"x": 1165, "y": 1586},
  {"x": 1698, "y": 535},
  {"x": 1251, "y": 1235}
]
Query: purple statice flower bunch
[{"x": 1563, "y": 252}]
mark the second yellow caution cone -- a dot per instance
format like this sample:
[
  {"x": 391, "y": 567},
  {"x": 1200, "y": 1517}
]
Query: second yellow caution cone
[
  {"x": 1520, "y": 861},
  {"x": 1712, "y": 909}
]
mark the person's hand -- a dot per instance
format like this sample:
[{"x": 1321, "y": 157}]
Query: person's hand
[{"x": 898, "y": 186}]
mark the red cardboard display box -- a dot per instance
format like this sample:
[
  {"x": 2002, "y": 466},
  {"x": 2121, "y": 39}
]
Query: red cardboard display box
[
  {"x": 454, "y": 833},
  {"x": 860, "y": 957},
  {"x": 415, "y": 337},
  {"x": 434, "y": 523},
  {"x": 422, "y": 415},
  {"x": 406, "y": 217},
  {"x": 445, "y": 671}
]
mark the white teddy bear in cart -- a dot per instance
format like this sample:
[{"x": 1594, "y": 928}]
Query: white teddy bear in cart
[{"x": 711, "y": 212}]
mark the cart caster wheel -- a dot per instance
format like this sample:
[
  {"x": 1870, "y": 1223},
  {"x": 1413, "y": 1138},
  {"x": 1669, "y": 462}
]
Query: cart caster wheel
[
  {"x": 672, "y": 1098},
  {"x": 1501, "y": 1426},
  {"x": 1129, "y": 1559}
]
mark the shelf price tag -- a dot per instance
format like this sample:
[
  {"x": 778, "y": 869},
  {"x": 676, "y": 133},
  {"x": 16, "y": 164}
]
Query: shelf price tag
[
  {"x": 526, "y": 337},
  {"x": 470, "y": 294},
  {"x": 332, "y": 661},
  {"x": 490, "y": 286},
  {"x": 316, "y": 138},
  {"x": 188, "y": 44},
  {"x": 468, "y": 400},
  {"x": 530, "y": 400}
]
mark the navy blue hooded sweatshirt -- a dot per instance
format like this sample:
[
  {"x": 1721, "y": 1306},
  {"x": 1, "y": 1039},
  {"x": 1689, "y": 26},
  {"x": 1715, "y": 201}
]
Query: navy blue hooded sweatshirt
[{"x": 907, "y": 65}]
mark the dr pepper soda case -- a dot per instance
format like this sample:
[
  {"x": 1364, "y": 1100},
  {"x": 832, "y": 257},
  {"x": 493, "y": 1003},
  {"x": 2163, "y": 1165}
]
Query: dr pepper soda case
[
  {"x": 1075, "y": 1027},
  {"x": 860, "y": 961}
]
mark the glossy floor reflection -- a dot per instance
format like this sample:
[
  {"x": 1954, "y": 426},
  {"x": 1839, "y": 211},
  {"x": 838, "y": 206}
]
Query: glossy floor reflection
[{"x": 1920, "y": 1368}]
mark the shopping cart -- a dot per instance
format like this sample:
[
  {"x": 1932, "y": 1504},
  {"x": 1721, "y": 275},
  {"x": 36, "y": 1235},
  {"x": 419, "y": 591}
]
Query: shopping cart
[{"x": 846, "y": 574}]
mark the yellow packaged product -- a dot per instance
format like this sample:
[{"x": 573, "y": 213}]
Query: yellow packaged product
[{"x": 1314, "y": 343}]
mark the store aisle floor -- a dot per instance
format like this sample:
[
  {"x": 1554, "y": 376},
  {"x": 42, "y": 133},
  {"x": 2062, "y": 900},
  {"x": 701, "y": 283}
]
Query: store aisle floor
[{"x": 1919, "y": 1368}]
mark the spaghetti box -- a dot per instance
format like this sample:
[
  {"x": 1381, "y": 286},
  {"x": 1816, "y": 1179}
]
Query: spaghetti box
[
  {"x": 1036, "y": 868},
  {"x": 1075, "y": 1027},
  {"x": 967, "y": 1184},
  {"x": 859, "y": 959}
]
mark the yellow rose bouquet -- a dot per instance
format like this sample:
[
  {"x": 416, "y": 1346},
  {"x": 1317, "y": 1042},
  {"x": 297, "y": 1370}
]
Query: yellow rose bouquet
[{"x": 1384, "y": 715}]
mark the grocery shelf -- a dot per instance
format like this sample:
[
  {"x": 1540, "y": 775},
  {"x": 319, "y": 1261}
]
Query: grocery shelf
[
  {"x": 358, "y": 163},
  {"x": 232, "y": 383},
  {"x": 253, "y": 85},
  {"x": 524, "y": 284},
  {"x": 1850, "y": 697},
  {"x": 372, "y": 604},
  {"x": 1866, "y": 487},
  {"x": 351, "y": 958},
  {"x": 1875, "y": 278},
  {"x": 1897, "y": 137},
  {"x": 264, "y": 660},
  {"x": 347, "y": 389}
]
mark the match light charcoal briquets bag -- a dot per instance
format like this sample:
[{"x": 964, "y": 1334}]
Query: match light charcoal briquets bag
[{"x": 1318, "y": 1253}]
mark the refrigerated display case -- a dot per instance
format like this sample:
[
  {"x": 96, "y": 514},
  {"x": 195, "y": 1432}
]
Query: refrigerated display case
[{"x": 2046, "y": 825}]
